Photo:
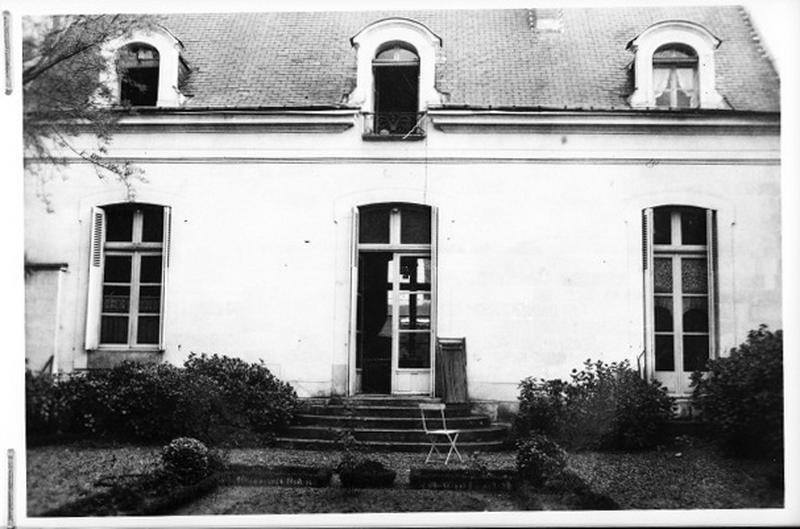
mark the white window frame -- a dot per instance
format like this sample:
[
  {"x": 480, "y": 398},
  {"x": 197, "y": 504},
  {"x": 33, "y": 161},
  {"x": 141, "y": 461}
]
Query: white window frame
[
  {"x": 100, "y": 248},
  {"x": 680, "y": 32},
  {"x": 677, "y": 381}
]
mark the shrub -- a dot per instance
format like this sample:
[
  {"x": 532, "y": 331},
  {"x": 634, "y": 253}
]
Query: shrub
[
  {"x": 604, "y": 406},
  {"x": 253, "y": 395},
  {"x": 741, "y": 397},
  {"x": 539, "y": 458},
  {"x": 187, "y": 458}
]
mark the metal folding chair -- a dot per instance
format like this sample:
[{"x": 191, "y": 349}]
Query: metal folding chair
[{"x": 443, "y": 432}]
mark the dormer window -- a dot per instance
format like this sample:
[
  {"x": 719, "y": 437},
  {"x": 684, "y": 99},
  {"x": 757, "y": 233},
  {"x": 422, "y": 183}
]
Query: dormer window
[
  {"x": 395, "y": 81},
  {"x": 137, "y": 68},
  {"x": 396, "y": 71},
  {"x": 674, "y": 67},
  {"x": 675, "y": 77}
]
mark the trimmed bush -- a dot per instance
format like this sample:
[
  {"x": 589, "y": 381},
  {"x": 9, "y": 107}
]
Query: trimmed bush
[
  {"x": 187, "y": 458},
  {"x": 539, "y": 458},
  {"x": 604, "y": 406},
  {"x": 741, "y": 397},
  {"x": 253, "y": 396}
]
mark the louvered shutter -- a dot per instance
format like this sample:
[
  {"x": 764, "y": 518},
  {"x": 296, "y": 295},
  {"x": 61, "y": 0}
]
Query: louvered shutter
[
  {"x": 164, "y": 273},
  {"x": 434, "y": 293},
  {"x": 353, "y": 301},
  {"x": 711, "y": 250},
  {"x": 95, "y": 288},
  {"x": 647, "y": 267}
]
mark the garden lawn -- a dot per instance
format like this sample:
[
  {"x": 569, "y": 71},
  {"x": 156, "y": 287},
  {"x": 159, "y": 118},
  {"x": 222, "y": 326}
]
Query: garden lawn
[{"x": 691, "y": 475}]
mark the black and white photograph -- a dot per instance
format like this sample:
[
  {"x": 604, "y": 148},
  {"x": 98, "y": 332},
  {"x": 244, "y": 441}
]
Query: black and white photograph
[{"x": 400, "y": 264}]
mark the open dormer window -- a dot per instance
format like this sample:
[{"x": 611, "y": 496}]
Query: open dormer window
[
  {"x": 675, "y": 77},
  {"x": 138, "y": 67},
  {"x": 396, "y": 71}
]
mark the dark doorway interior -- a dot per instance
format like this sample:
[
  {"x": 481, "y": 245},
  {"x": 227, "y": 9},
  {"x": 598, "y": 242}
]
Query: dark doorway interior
[{"x": 374, "y": 328}]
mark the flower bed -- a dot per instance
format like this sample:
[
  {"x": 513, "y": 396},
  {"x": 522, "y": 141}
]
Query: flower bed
[
  {"x": 280, "y": 475},
  {"x": 461, "y": 479}
]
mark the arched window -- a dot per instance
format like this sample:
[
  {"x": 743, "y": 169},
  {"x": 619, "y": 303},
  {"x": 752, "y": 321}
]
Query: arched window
[
  {"x": 675, "y": 77},
  {"x": 137, "y": 67},
  {"x": 396, "y": 71}
]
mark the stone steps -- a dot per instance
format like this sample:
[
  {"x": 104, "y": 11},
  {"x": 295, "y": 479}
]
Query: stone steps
[{"x": 386, "y": 423}]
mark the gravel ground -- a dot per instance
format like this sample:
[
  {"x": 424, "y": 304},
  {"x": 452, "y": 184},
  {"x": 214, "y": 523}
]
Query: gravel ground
[
  {"x": 684, "y": 477},
  {"x": 698, "y": 478}
]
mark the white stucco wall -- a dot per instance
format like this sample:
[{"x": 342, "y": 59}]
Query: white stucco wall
[{"x": 539, "y": 241}]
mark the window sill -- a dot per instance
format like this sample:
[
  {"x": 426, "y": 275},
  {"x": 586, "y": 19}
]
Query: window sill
[
  {"x": 393, "y": 137},
  {"x": 105, "y": 358}
]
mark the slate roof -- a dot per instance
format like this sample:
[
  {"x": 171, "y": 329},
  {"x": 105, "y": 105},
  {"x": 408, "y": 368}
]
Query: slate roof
[{"x": 488, "y": 58}]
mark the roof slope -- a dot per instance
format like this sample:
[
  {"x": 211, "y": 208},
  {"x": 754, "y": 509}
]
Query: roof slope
[{"x": 489, "y": 58}]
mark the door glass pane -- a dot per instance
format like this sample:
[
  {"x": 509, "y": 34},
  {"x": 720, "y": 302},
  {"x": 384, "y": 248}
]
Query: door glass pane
[
  {"x": 415, "y": 311},
  {"x": 116, "y": 298},
  {"x": 415, "y": 350},
  {"x": 415, "y": 225},
  {"x": 662, "y": 275},
  {"x": 117, "y": 269},
  {"x": 148, "y": 330},
  {"x": 693, "y": 226},
  {"x": 150, "y": 269},
  {"x": 665, "y": 356},
  {"x": 119, "y": 224},
  {"x": 661, "y": 226},
  {"x": 415, "y": 273},
  {"x": 695, "y": 314},
  {"x": 114, "y": 329},
  {"x": 695, "y": 353},
  {"x": 373, "y": 224},
  {"x": 663, "y": 313},
  {"x": 150, "y": 299},
  {"x": 694, "y": 276},
  {"x": 152, "y": 224}
]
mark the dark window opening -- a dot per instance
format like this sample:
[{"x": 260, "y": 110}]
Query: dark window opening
[
  {"x": 138, "y": 73},
  {"x": 396, "y": 71}
]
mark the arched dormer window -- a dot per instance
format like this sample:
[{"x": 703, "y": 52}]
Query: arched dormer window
[
  {"x": 396, "y": 73},
  {"x": 145, "y": 68},
  {"x": 137, "y": 69},
  {"x": 674, "y": 67},
  {"x": 391, "y": 53},
  {"x": 675, "y": 76}
]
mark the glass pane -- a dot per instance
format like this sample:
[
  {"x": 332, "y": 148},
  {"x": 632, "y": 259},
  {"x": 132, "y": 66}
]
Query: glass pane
[
  {"x": 694, "y": 276},
  {"x": 116, "y": 298},
  {"x": 415, "y": 350},
  {"x": 665, "y": 356},
  {"x": 415, "y": 273},
  {"x": 152, "y": 224},
  {"x": 117, "y": 269},
  {"x": 663, "y": 101},
  {"x": 373, "y": 224},
  {"x": 415, "y": 225},
  {"x": 682, "y": 99},
  {"x": 663, "y": 313},
  {"x": 148, "y": 330},
  {"x": 661, "y": 226},
  {"x": 415, "y": 311},
  {"x": 695, "y": 314},
  {"x": 695, "y": 353},
  {"x": 150, "y": 269},
  {"x": 114, "y": 329},
  {"x": 662, "y": 275},
  {"x": 396, "y": 53},
  {"x": 693, "y": 226},
  {"x": 119, "y": 224},
  {"x": 150, "y": 300}
]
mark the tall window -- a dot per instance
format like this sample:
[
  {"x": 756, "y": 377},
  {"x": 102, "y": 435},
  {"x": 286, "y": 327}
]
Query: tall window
[
  {"x": 682, "y": 292},
  {"x": 127, "y": 273},
  {"x": 137, "y": 67},
  {"x": 396, "y": 70},
  {"x": 675, "y": 77}
]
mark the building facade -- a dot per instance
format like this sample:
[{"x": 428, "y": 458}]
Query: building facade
[{"x": 334, "y": 193}]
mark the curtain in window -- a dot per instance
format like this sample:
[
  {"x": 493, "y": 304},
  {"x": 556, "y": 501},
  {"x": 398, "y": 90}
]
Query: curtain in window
[
  {"x": 686, "y": 81},
  {"x": 660, "y": 80}
]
